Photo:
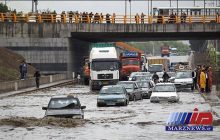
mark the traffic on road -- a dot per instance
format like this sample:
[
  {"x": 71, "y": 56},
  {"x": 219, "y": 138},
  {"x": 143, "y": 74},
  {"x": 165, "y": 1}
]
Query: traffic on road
[{"x": 128, "y": 97}]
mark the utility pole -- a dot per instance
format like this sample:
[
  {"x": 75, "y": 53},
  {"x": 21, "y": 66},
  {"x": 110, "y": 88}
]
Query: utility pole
[
  {"x": 36, "y": 3},
  {"x": 126, "y": 8},
  {"x": 130, "y": 10},
  {"x": 32, "y": 10}
]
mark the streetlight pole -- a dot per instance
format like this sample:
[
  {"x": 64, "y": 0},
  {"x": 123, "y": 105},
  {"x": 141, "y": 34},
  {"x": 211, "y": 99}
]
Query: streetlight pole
[
  {"x": 204, "y": 9},
  {"x": 177, "y": 10},
  {"x": 125, "y": 8},
  {"x": 130, "y": 10},
  {"x": 170, "y": 3},
  {"x": 32, "y": 6},
  {"x": 148, "y": 7},
  {"x": 151, "y": 8},
  {"x": 36, "y": 3}
]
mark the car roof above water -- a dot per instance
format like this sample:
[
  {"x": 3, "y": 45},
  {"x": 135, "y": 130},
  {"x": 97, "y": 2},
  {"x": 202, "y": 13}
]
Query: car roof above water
[
  {"x": 62, "y": 96},
  {"x": 165, "y": 84}
]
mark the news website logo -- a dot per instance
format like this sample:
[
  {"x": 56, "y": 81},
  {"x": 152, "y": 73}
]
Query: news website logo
[{"x": 190, "y": 121}]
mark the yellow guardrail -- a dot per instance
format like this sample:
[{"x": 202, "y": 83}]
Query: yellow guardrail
[{"x": 136, "y": 19}]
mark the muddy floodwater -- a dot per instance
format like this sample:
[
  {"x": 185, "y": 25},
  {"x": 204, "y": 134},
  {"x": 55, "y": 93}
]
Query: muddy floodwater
[{"x": 22, "y": 118}]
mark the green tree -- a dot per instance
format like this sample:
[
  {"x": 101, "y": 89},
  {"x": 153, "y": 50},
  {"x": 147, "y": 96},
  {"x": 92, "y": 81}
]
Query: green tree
[
  {"x": 3, "y": 8},
  {"x": 154, "y": 46}
]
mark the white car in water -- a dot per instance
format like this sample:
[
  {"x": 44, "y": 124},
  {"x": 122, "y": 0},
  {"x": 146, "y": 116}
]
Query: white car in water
[
  {"x": 164, "y": 92},
  {"x": 183, "y": 79}
]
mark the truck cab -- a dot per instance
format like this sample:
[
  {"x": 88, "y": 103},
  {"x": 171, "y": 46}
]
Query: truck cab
[
  {"x": 104, "y": 67},
  {"x": 131, "y": 62}
]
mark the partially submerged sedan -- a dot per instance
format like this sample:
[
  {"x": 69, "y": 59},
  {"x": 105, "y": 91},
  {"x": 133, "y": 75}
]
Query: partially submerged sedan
[
  {"x": 112, "y": 95},
  {"x": 146, "y": 87},
  {"x": 65, "y": 107},
  {"x": 164, "y": 92},
  {"x": 133, "y": 90}
]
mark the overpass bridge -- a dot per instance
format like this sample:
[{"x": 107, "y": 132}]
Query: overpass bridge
[{"x": 57, "y": 47}]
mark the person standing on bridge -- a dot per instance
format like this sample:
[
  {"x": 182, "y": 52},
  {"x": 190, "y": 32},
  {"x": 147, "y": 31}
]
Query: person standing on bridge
[
  {"x": 202, "y": 80},
  {"x": 142, "y": 18}
]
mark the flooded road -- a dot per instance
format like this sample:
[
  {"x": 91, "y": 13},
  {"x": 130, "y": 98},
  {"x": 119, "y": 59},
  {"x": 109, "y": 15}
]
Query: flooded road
[{"x": 139, "y": 120}]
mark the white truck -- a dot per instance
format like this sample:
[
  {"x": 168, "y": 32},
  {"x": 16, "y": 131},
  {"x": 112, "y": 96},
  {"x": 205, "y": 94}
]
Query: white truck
[{"x": 104, "y": 66}]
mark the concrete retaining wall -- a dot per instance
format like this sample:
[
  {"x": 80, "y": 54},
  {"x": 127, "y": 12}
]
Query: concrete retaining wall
[{"x": 20, "y": 84}]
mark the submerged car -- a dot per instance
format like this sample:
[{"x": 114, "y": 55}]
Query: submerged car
[
  {"x": 146, "y": 87},
  {"x": 164, "y": 92},
  {"x": 133, "y": 90},
  {"x": 113, "y": 95},
  {"x": 183, "y": 79},
  {"x": 65, "y": 107}
]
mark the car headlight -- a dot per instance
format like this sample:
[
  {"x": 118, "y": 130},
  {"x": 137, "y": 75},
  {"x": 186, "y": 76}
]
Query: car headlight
[{"x": 120, "y": 100}]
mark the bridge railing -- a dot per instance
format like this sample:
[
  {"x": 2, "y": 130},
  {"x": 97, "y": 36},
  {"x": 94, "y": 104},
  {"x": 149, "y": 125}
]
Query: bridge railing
[{"x": 133, "y": 19}]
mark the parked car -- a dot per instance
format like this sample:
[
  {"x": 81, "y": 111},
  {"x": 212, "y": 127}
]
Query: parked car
[
  {"x": 65, "y": 107},
  {"x": 183, "y": 79},
  {"x": 113, "y": 95},
  {"x": 138, "y": 73},
  {"x": 133, "y": 90},
  {"x": 146, "y": 87},
  {"x": 164, "y": 92}
]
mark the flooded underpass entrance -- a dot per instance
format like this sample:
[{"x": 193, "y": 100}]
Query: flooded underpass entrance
[{"x": 22, "y": 118}]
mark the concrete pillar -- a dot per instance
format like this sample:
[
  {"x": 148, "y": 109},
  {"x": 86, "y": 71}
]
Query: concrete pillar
[
  {"x": 51, "y": 78},
  {"x": 16, "y": 86}
]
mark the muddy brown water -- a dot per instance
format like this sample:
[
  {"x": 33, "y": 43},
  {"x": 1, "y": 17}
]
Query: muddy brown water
[
  {"x": 46, "y": 121},
  {"x": 21, "y": 117}
]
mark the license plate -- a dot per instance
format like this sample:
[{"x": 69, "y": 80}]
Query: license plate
[{"x": 111, "y": 103}]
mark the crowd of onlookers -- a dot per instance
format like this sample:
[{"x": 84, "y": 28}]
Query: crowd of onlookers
[
  {"x": 202, "y": 78},
  {"x": 86, "y": 17}
]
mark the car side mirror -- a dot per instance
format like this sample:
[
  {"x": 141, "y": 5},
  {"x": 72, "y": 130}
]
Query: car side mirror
[
  {"x": 44, "y": 108},
  {"x": 83, "y": 107}
]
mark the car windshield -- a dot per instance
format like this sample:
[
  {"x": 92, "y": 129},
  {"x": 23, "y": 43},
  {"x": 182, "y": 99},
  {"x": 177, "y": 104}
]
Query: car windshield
[
  {"x": 164, "y": 88},
  {"x": 127, "y": 85},
  {"x": 63, "y": 103},
  {"x": 126, "y": 62},
  {"x": 143, "y": 84},
  {"x": 111, "y": 90},
  {"x": 107, "y": 65},
  {"x": 180, "y": 75}
]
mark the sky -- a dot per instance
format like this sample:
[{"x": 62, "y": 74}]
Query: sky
[{"x": 116, "y": 6}]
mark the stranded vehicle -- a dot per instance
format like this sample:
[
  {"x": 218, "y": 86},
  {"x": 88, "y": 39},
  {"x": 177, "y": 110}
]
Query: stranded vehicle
[
  {"x": 66, "y": 106},
  {"x": 131, "y": 62},
  {"x": 112, "y": 95},
  {"x": 104, "y": 65}
]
